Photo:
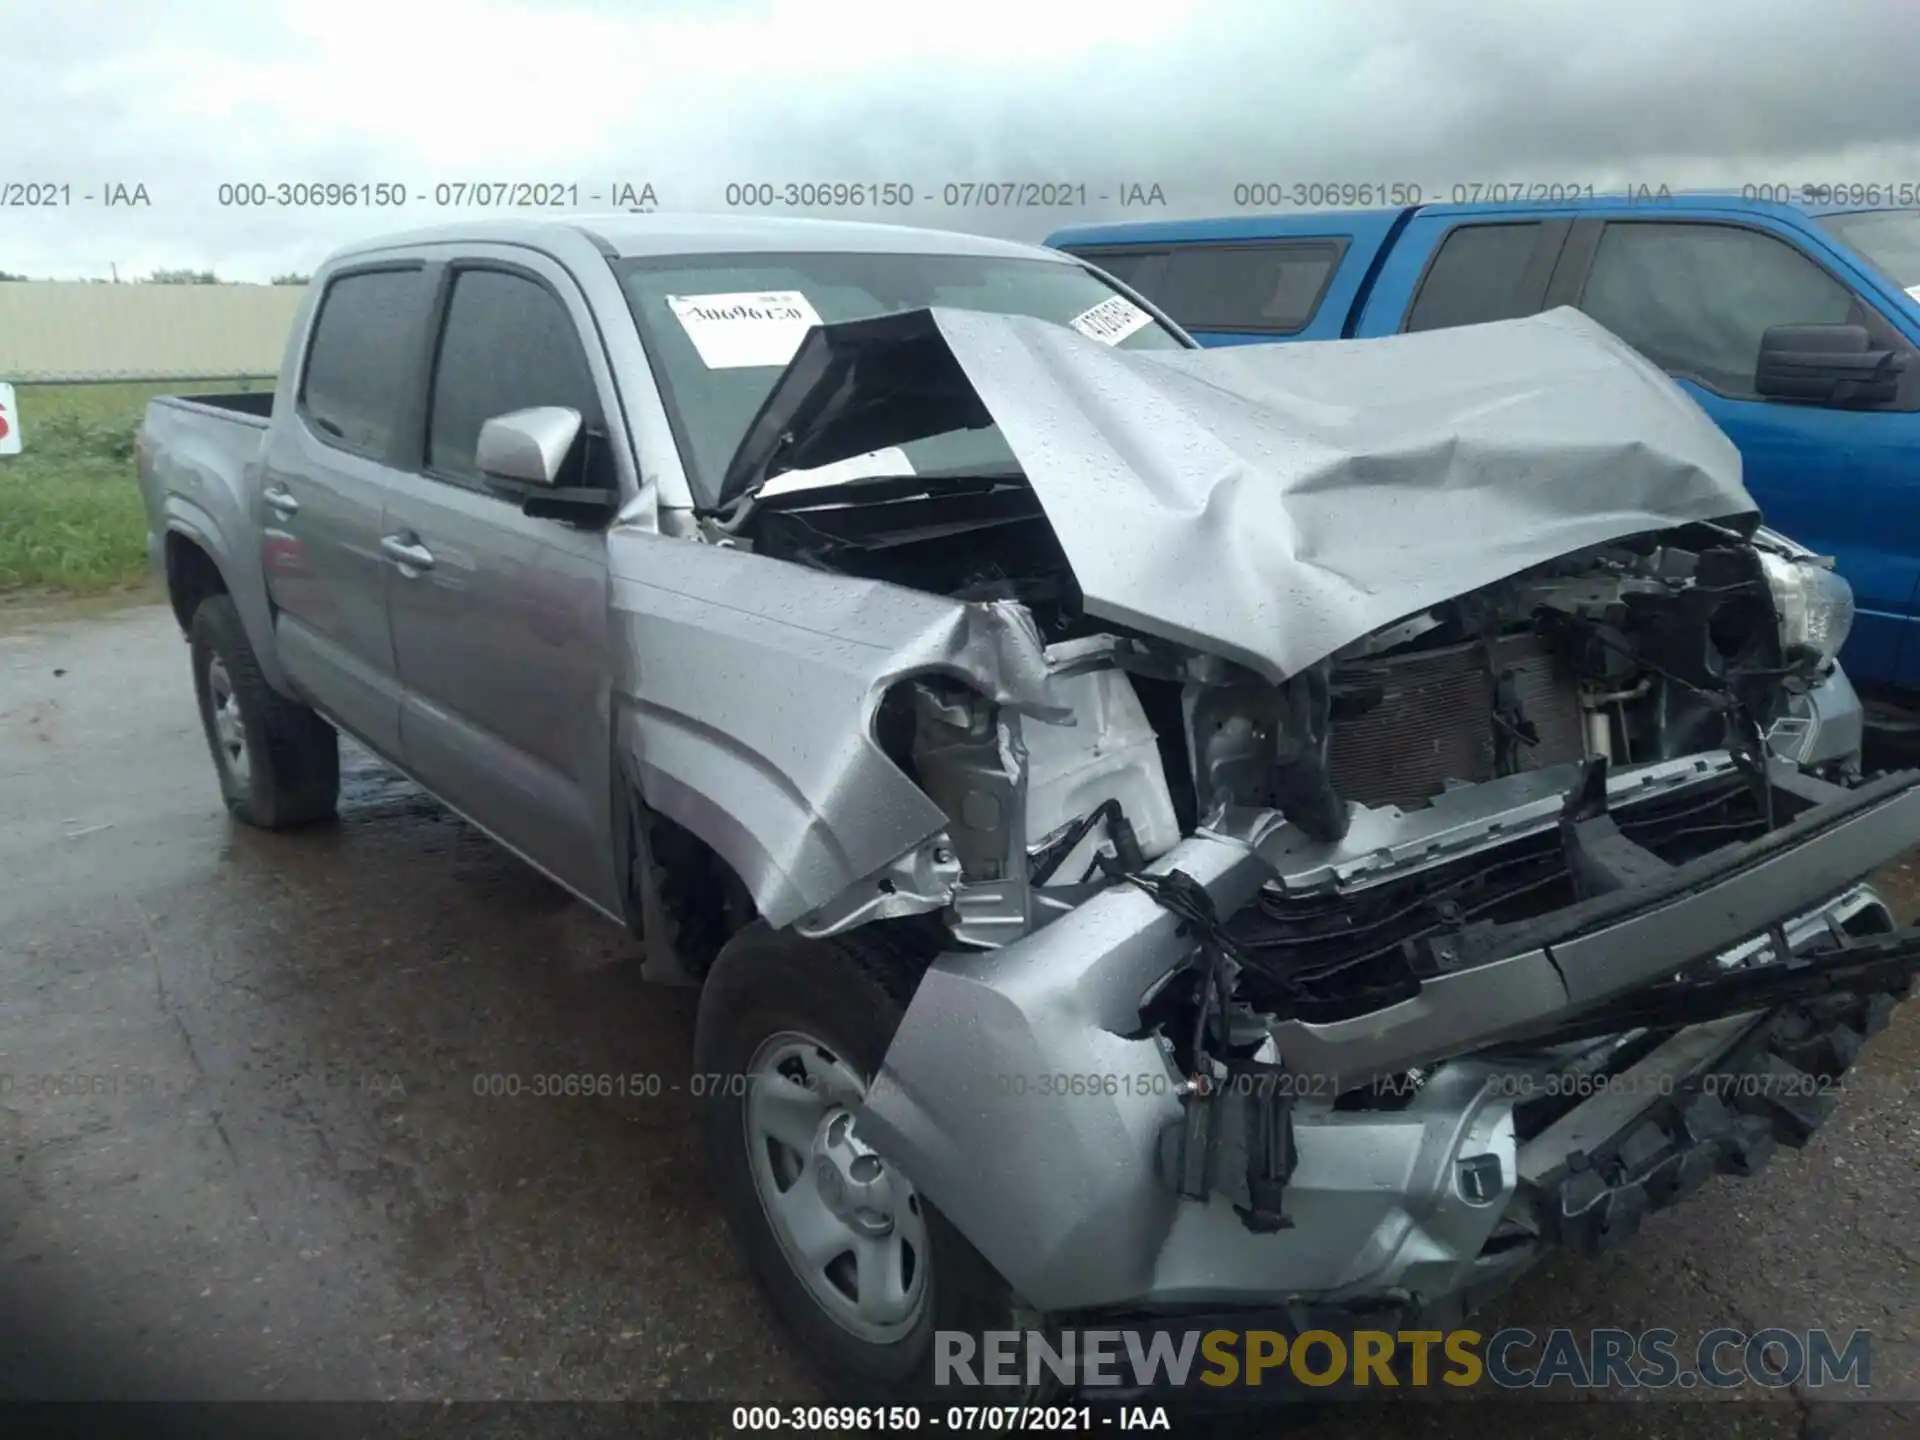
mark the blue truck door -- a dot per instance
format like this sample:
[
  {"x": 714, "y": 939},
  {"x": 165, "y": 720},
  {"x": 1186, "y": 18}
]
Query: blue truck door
[{"x": 1695, "y": 295}]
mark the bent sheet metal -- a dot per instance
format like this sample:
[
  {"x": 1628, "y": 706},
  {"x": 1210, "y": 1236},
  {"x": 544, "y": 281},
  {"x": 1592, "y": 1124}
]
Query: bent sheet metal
[{"x": 1273, "y": 503}]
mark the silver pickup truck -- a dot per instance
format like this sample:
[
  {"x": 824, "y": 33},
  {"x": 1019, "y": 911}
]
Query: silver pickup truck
[{"x": 1280, "y": 831}]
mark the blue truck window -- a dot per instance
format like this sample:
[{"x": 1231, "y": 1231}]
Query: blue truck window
[
  {"x": 1139, "y": 268},
  {"x": 1264, "y": 287},
  {"x": 1272, "y": 288},
  {"x": 1696, "y": 298},
  {"x": 1475, "y": 276},
  {"x": 1890, "y": 239}
]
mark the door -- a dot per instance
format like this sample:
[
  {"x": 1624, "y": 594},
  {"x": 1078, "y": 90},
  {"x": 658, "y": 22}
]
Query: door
[
  {"x": 500, "y": 621},
  {"x": 1695, "y": 297},
  {"x": 323, "y": 487}
]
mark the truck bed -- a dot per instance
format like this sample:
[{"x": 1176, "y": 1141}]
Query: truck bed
[
  {"x": 185, "y": 442},
  {"x": 192, "y": 456}
]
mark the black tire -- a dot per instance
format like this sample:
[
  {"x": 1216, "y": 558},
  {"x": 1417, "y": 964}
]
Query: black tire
[
  {"x": 848, "y": 992},
  {"x": 291, "y": 770}
]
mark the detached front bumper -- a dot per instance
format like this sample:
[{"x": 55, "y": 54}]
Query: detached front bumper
[{"x": 1021, "y": 1096}]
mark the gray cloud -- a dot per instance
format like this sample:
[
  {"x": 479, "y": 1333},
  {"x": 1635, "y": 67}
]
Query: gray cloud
[{"x": 1704, "y": 93}]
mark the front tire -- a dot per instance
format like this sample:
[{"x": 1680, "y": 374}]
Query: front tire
[
  {"x": 861, "y": 1269},
  {"x": 278, "y": 763}
]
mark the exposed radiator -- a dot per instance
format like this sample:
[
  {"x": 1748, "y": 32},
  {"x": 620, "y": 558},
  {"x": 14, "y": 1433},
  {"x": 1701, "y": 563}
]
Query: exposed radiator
[{"x": 1433, "y": 721}]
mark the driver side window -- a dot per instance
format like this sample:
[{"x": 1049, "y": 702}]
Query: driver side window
[{"x": 1696, "y": 298}]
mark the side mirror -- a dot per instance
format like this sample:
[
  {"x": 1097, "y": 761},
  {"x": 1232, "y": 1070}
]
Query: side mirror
[
  {"x": 1827, "y": 365},
  {"x": 530, "y": 446}
]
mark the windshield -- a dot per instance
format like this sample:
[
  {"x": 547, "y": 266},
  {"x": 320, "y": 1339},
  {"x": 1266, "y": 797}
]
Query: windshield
[
  {"x": 1888, "y": 238},
  {"x": 721, "y": 328}
]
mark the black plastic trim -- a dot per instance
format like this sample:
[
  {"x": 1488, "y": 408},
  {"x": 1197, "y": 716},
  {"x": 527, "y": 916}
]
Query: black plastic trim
[{"x": 1881, "y": 833}]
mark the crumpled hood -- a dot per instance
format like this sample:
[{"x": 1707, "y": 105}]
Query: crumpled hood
[{"x": 1273, "y": 503}]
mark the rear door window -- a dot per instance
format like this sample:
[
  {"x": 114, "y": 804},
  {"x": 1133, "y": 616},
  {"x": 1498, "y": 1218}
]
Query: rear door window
[
  {"x": 1479, "y": 273},
  {"x": 361, "y": 358}
]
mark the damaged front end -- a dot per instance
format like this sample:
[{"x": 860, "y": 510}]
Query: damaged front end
[
  {"x": 1427, "y": 872},
  {"x": 1549, "y": 976}
]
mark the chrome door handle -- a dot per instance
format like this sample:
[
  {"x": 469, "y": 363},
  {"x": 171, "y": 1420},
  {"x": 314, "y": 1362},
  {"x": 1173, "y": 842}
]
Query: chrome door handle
[
  {"x": 407, "y": 554},
  {"x": 281, "y": 502}
]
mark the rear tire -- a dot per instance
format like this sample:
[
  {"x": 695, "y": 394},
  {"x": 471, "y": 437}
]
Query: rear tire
[
  {"x": 830, "y": 1008},
  {"x": 278, "y": 763}
]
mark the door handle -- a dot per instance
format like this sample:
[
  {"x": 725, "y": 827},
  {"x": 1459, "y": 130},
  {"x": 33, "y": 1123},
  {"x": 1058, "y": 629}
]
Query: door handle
[
  {"x": 281, "y": 502},
  {"x": 408, "y": 553}
]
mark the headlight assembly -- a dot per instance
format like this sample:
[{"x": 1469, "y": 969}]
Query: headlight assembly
[{"x": 1814, "y": 605}]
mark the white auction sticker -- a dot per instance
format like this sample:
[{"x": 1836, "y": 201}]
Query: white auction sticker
[
  {"x": 745, "y": 327},
  {"x": 1112, "y": 320},
  {"x": 9, "y": 421}
]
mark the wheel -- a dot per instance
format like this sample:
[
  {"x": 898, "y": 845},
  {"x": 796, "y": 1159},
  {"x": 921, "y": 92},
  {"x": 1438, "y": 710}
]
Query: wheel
[
  {"x": 278, "y": 762},
  {"x": 860, "y": 1268}
]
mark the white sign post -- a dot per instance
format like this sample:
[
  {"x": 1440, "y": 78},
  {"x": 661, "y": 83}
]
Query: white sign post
[{"x": 9, "y": 421}]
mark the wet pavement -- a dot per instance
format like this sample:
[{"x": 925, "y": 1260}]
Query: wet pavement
[{"x": 258, "y": 1141}]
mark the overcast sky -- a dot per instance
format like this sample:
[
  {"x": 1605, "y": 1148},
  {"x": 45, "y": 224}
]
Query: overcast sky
[{"x": 1195, "y": 97}]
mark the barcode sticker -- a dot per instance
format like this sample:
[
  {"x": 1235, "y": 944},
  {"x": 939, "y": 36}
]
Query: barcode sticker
[{"x": 1112, "y": 320}]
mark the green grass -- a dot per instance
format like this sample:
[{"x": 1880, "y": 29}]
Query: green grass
[{"x": 70, "y": 516}]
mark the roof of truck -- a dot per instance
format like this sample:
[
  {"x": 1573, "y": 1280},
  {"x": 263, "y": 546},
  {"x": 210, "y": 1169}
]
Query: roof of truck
[
  {"x": 1282, "y": 224},
  {"x": 625, "y": 234}
]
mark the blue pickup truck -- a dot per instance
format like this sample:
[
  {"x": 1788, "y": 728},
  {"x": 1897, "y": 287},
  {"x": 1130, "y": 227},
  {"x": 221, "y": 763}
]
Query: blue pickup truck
[{"x": 1794, "y": 326}]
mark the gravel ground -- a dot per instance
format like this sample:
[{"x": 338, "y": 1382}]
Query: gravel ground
[{"x": 278, "y": 1180}]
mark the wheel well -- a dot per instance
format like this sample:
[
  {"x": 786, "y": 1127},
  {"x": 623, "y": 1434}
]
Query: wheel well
[
  {"x": 191, "y": 577},
  {"x": 702, "y": 901}
]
